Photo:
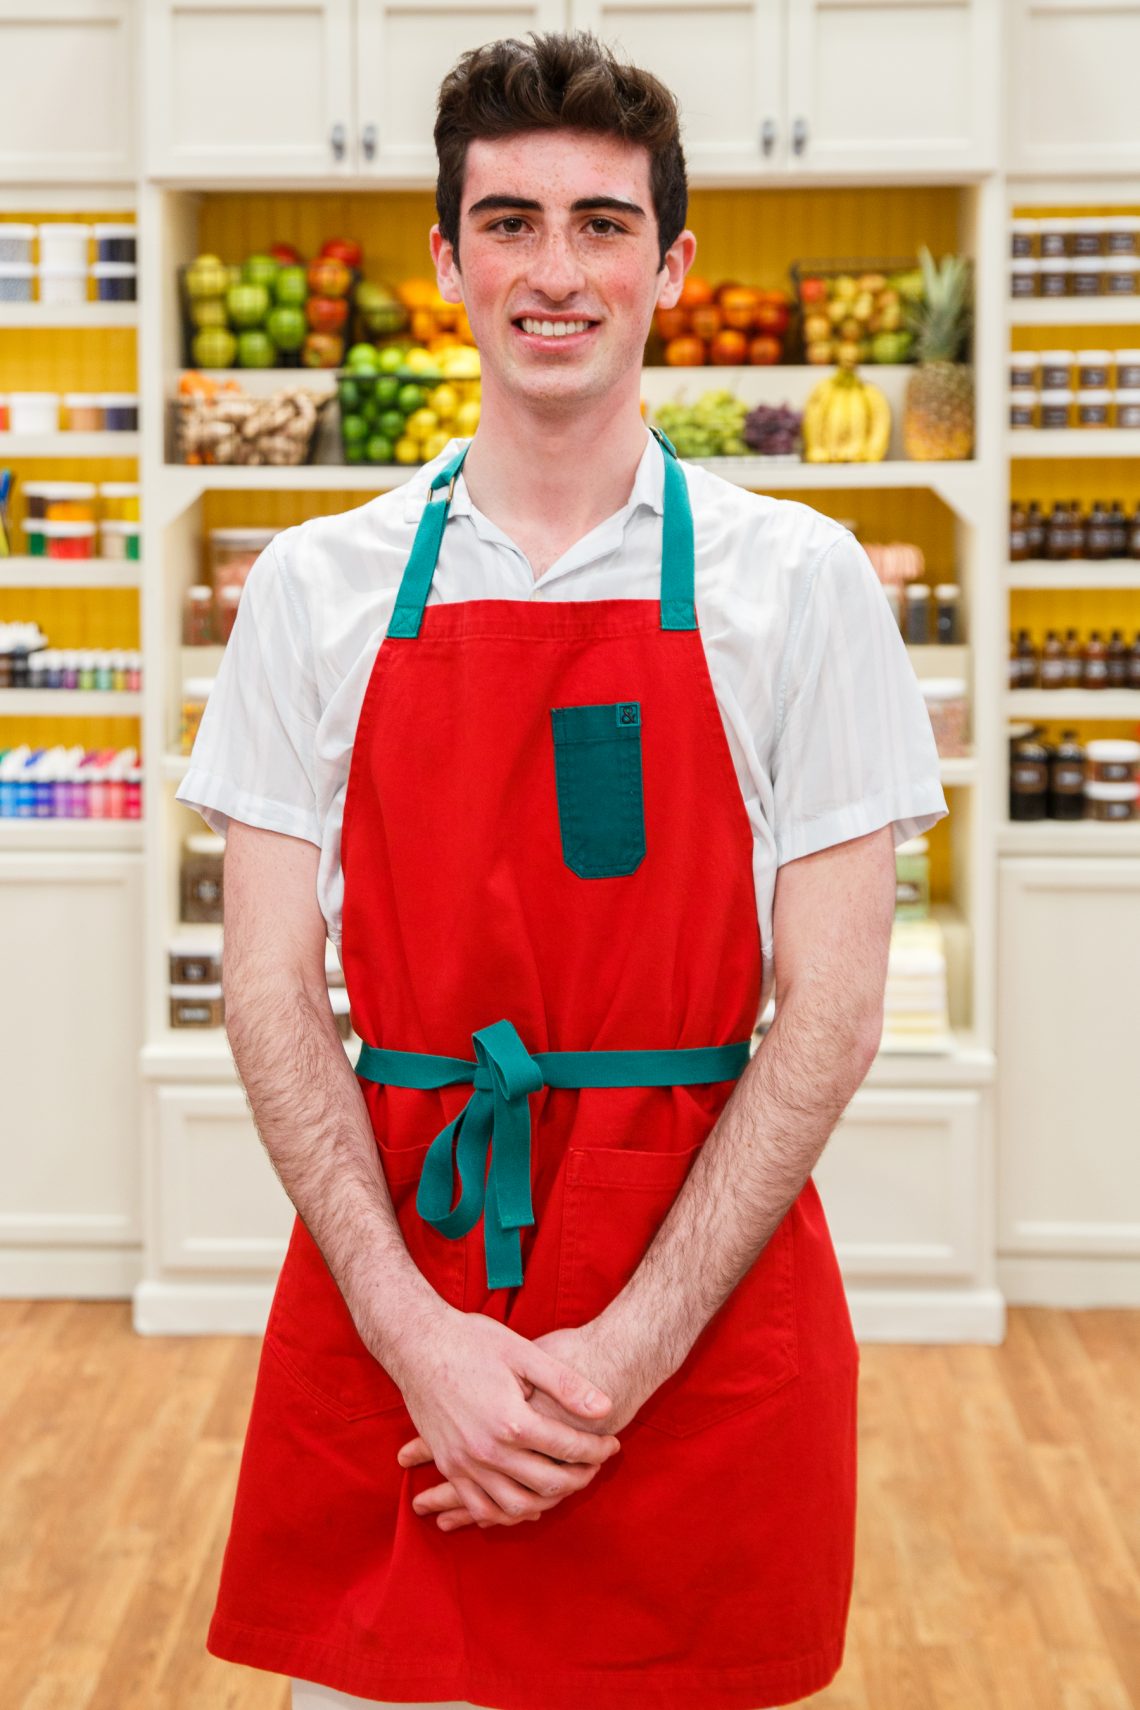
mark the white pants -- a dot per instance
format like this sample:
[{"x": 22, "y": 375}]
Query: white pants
[{"x": 308, "y": 1696}]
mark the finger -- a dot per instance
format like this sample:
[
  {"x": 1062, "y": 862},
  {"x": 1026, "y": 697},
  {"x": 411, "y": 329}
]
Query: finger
[
  {"x": 561, "y": 1382},
  {"x": 561, "y": 1441},
  {"x": 414, "y": 1453},
  {"x": 436, "y": 1500}
]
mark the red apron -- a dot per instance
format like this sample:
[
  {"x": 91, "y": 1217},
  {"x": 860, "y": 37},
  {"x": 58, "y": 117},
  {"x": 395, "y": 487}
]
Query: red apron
[{"x": 548, "y": 863}]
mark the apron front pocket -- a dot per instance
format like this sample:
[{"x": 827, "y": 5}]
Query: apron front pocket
[
  {"x": 597, "y": 774},
  {"x": 310, "y": 1328},
  {"x": 615, "y": 1202}
]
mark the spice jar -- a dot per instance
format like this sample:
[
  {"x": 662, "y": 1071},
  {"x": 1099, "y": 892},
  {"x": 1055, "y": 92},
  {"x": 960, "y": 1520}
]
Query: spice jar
[
  {"x": 947, "y": 596},
  {"x": 16, "y": 281},
  {"x": 120, "y": 500},
  {"x": 198, "y": 615},
  {"x": 1111, "y": 801},
  {"x": 1087, "y": 235},
  {"x": 1113, "y": 760},
  {"x": 1018, "y": 533},
  {"x": 60, "y": 501},
  {"x": 1094, "y": 367},
  {"x": 233, "y": 552},
  {"x": 1023, "y": 408},
  {"x": 1093, "y": 406},
  {"x": 1121, "y": 275},
  {"x": 1056, "y": 367},
  {"x": 115, "y": 281},
  {"x": 1086, "y": 276},
  {"x": 1035, "y": 530},
  {"x": 195, "y": 959},
  {"x": 1128, "y": 370},
  {"x": 1023, "y": 238},
  {"x": 1028, "y": 777},
  {"x": 1053, "y": 276},
  {"x": 1128, "y": 407},
  {"x": 912, "y": 879},
  {"x": 195, "y": 693},
  {"x": 1056, "y": 407},
  {"x": 225, "y": 612},
  {"x": 84, "y": 411},
  {"x": 197, "y": 1006},
  {"x": 121, "y": 410},
  {"x": 1053, "y": 235},
  {"x": 1024, "y": 278},
  {"x": 1023, "y": 375},
  {"x": 917, "y": 619},
  {"x": 67, "y": 539},
  {"x": 945, "y": 699},
  {"x": 1057, "y": 532},
  {"x": 200, "y": 880},
  {"x": 1067, "y": 776},
  {"x": 115, "y": 241},
  {"x": 1052, "y": 671},
  {"x": 1122, "y": 234},
  {"x": 1098, "y": 533},
  {"x": 120, "y": 539},
  {"x": 1094, "y": 672}
]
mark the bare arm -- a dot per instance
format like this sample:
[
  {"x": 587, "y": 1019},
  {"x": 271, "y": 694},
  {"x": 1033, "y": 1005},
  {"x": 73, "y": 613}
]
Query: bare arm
[{"x": 832, "y": 923}]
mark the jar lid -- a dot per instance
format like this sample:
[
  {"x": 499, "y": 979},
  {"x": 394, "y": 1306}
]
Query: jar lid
[
  {"x": 209, "y": 989},
  {"x": 947, "y": 590},
  {"x": 50, "y": 270},
  {"x": 118, "y": 400},
  {"x": 1087, "y": 357},
  {"x": 33, "y": 397},
  {"x": 61, "y": 489},
  {"x": 1094, "y": 395},
  {"x": 1023, "y": 394},
  {"x": 112, "y": 525},
  {"x": 15, "y": 229},
  {"x": 1127, "y": 356},
  {"x": 197, "y": 687},
  {"x": 242, "y": 536},
  {"x": 1128, "y": 395},
  {"x": 114, "y": 229},
  {"x": 63, "y": 228},
  {"x": 83, "y": 400},
  {"x": 229, "y": 594},
  {"x": 66, "y": 530},
  {"x": 1120, "y": 263},
  {"x": 1025, "y": 264},
  {"x": 205, "y": 843},
  {"x": 113, "y": 270},
  {"x": 1111, "y": 792},
  {"x": 199, "y": 591},
  {"x": 1024, "y": 358},
  {"x": 1092, "y": 223},
  {"x": 16, "y": 269},
  {"x": 916, "y": 591},
  {"x": 1024, "y": 225},
  {"x": 1058, "y": 223},
  {"x": 1057, "y": 358},
  {"x": 942, "y": 688},
  {"x": 1112, "y": 748},
  {"x": 119, "y": 489},
  {"x": 1057, "y": 395}
]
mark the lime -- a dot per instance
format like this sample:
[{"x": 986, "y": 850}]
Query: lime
[
  {"x": 378, "y": 449},
  {"x": 391, "y": 357},
  {"x": 349, "y": 393},
  {"x": 410, "y": 398},
  {"x": 353, "y": 429},
  {"x": 364, "y": 356},
  {"x": 387, "y": 389},
  {"x": 391, "y": 422},
  {"x": 354, "y": 454}
]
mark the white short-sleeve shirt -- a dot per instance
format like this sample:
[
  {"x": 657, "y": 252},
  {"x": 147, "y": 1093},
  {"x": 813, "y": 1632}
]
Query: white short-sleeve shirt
[{"x": 824, "y": 717}]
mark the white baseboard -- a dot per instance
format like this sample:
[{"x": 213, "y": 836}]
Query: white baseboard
[
  {"x": 202, "y": 1308},
  {"x": 927, "y": 1314},
  {"x": 1069, "y": 1282},
  {"x": 69, "y": 1273}
]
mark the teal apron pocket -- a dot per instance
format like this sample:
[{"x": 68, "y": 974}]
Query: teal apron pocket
[{"x": 597, "y": 770}]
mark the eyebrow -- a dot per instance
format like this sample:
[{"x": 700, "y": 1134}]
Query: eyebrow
[{"x": 489, "y": 204}]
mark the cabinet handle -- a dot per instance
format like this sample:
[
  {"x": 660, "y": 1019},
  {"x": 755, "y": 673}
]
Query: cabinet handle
[
  {"x": 338, "y": 141},
  {"x": 768, "y": 136},
  {"x": 368, "y": 142},
  {"x": 799, "y": 136}
]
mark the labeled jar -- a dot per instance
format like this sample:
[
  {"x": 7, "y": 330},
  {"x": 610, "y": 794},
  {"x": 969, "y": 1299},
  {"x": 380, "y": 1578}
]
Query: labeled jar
[
  {"x": 61, "y": 501},
  {"x": 1128, "y": 408},
  {"x": 68, "y": 539},
  {"x": 121, "y": 412},
  {"x": 1023, "y": 238},
  {"x": 225, "y": 611},
  {"x": 63, "y": 284},
  {"x": 1068, "y": 770},
  {"x": 115, "y": 281},
  {"x": 1056, "y": 368},
  {"x": 195, "y": 960},
  {"x": 1093, "y": 407},
  {"x": 1053, "y": 276},
  {"x": 1087, "y": 236},
  {"x": 912, "y": 879},
  {"x": 947, "y": 599},
  {"x": 1122, "y": 234},
  {"x": 197, "y": 1006},
  {"x": 1028, "y": 778},
  {"x": 1121, "y": 275},
  {"x": 33, "y": 412},
  {"x": 1113, "y": 760},
  {"x": 1023, "y": 370},
  {"x": 115, "y": 241},
  {"x": 198, "y": 615},
  {"x": 1053, "y": 233},
  {"x": 1087, "y": 276},
  {"x": 119, "y": 500},
  {"x": 16, "y": 281},
  {"x": 1023, "y": 408},
  {"x": 120, "y": 539},
  {"x": 1056, "y": 409},
  {"x": 946, "y": 704},
  {"x": 1111, "y": 801},
  {"x": 84, "y": 411},
  {"x": 916, "y": 621},
  {"x": 200, "y": 881},
  {"x": 63, "y": 243},
  {"x": 1128, "y": 370},
  {"x": 233, "y": 552},
  {"x": 1094, "y": 367},
  {"x": 195, "y": 694},
  {"x": 1024, "y": 278},
  {"x": 16, "y": 241}
]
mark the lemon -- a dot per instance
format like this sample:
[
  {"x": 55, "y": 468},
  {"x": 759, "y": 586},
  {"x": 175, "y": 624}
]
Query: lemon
[
  {"x": 466, "y": 420},
  {"x": 434, "y": 444},
  {"x": 420, "y": 423},
  {"x": 406, "y": 450},
  {"x": 420, "y": 362},
  {"x": 462, "y": 363},
  {"x": 444, "y": 401}
]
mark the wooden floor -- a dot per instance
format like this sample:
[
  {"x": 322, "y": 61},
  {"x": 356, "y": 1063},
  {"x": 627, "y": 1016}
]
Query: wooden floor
[{"x": 998, "y": 1545}]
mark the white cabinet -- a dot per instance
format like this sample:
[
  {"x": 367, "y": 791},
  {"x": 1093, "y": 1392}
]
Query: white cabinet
[
  {"x": 892, "y": 85},
  {"x": 264, "y": 90},
  {"x": 67, "y": 110},
  {"x": 1072, "y": 86},
  {"x": 1069, "y": 1165}
]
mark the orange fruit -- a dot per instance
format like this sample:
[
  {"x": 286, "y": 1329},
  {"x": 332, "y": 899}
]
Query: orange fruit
[
  {"x": 695, "y": 292},
  {"x": 738, "y": 306},
  {"x": 685, "y": 352},
  {"x": 706, "y": 321},
  {"x": 729, "y": 348}
]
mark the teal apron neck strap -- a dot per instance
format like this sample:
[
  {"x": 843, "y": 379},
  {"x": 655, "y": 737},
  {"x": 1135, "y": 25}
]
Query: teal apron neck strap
[{"x": 677, "y": 608}]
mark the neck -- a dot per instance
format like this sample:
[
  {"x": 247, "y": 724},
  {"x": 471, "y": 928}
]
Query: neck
[{"x": 531, "y": 469}]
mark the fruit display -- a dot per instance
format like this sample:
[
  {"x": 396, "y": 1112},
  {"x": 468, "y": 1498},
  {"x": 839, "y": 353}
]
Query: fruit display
[
  {"x": 938, "y": 415},
  {"x": 219, "y": 423},
  {"x": 858, "y": 314},
  {"x": 731, "y": 325},
  {"x": 401, "y": 404},
  {"x": 772, "y": 430},
  {"x": 846, "y": 421},
  {"x": 712, "y": 427}
]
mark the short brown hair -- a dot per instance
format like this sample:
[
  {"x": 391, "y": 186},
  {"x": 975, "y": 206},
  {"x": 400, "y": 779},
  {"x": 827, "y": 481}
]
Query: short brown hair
[{"x": 558, "y": 80}]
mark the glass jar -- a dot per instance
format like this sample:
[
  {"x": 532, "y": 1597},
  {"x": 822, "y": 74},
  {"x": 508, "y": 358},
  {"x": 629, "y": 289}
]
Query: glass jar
[
  {"x": 1056, "y": 368},
  {"x": 1053, "y": 276},
  {"x": 16, "y": 281},
  {"x": 84, "y": 411},
  {"x": 1053, "y": 235},
  {"x": 1093, "y": 407},
  {"x": 1128, "y": 408},
  {"x": 68, "y": 539},
  {"x": 1122, "y": 234},
  {"x": 233, "y": 552},
  {"x": 197, "y": 1006},
  {"x": 225, "y": 612},
  {"x": 947, "y": 604},
  {"x": 1023, "y": 370},
  {"x": 61, "y": 501},
  {"x": 195, "y": 960},
  {"x": 1087, "y": 236},
  {"x": 1094, "y": 367},
  {"x": 1028, "y": 777},
  {"x": 1128, "y": 370},
  {"x": 120, "y": 500},
  {"x": 1121, "y": 275},
  {"x": 200, "y": 877},
  {"x": 946, "y": 704},
  {"x": 917, "y": 614},
  {"x": 195, "y": 693},
  {"x": 1018, "y": 533},
  {"x": 1023, "y": 238},
  {"x": 1056, "y": 409},
  {"x": 1086, "y": 276},
  {"x": 1025, "y": 278},
  {"x": 1111, "y": 801},
  {"x": 1023, "y": 408},
  {"x": 1067, "y": 777},
  {"x": 198, "y": 615},
  {"x": 120, "y": 539},
  {"x": 1113, "y": 760}
]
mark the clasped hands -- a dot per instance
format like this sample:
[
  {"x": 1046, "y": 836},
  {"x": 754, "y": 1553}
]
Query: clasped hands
[{"x": 514, "y": 1425}]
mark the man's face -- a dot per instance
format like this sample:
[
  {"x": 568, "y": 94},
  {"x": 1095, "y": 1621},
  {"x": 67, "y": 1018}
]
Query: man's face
[{"x": 560, "y": 262}]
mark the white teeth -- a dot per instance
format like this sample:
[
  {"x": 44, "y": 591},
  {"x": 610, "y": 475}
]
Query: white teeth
[{"x": 553, "y": 329}]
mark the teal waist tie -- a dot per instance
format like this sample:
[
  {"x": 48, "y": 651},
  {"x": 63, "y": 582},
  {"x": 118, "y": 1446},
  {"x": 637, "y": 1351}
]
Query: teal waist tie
[{"x": 497, "y": 1118}]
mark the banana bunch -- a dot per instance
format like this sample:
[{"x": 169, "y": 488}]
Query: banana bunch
[{"x": 846, "y": 421}]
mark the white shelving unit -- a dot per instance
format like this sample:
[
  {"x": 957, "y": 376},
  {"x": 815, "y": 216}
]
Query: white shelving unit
[
  {"x": 65, "y": 446},
  {"x": 39, "y": 316},
  {"x": 22, "y": 572}
]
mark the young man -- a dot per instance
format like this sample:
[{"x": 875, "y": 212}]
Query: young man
[{"x": 577, "y": 752}]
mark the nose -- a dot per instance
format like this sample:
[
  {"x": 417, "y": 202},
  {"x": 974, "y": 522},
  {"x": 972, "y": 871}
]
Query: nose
[{"x": 555, "y": 269}]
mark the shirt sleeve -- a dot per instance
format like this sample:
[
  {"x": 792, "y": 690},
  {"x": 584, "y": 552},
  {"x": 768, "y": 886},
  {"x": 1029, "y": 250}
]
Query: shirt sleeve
[
  {"x": 854, "y": 747},
  {"x": 253, "y": 756}
]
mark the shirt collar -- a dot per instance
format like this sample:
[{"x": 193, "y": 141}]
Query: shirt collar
[{"x": 648, "y": 484}]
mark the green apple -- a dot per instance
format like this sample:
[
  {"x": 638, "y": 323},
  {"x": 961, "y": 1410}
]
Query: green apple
[
  {"x": 256, "y": 349},
  {"x": 363, "y": 357},
  {"x": 286, "y": 326},
  {"x": 291, "y": 285},
  {"x": 214, "y": 347},
  {"x": 209, "y": 312},
  {"x": 206, "y": 277},
  {"x": 392, "y": 358},
  {"x": 248, "y": 305},
  {"x": 260, "y": 270}
]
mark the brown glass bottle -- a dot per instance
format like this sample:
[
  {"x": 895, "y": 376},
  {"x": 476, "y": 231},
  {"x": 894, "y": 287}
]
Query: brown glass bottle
[
  {"x": 1074, "y": 660},
  {"x": 1119, "y": 531},
  {"x": 1029, "y": 777},
  {"x": 1052, "y": 669},
  {"x": 1030, "y": 665},
  {"x": 1134, "y": 663},
  {"x": 1117, "y": 661},
  {"x": 1077, "y": 526},
  {"x": 1035, "y": 530},
  {"x": 1068, "y": 766},
  {"x": 1057, "y": 532},
  {"x": 1099, "y": 531},
  {"x": 1134, "y": 534},
  {"x": 1018, "y": 533},
  {"x": 1095, "y": 673}
]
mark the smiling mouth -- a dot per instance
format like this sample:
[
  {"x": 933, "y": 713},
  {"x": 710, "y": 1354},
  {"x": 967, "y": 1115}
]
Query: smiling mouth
[{"x": 535, "y": 327}]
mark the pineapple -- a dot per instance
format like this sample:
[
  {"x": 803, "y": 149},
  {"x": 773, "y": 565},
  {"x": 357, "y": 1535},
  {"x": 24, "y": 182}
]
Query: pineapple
[{"x": 938, "y": 422}]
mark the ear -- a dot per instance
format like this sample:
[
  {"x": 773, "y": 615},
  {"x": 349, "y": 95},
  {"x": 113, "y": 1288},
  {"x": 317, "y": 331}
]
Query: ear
[
  {"x": 678, "y": 260},
  {"x": 448, "y": 276}
]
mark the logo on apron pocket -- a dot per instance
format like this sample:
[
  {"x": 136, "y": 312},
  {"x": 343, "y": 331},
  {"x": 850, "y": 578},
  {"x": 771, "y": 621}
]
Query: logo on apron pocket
[
  {"x": 616, "y": 1200},
  {"x": 597, "y": 774}
]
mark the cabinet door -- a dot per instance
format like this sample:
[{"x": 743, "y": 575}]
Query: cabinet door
[
  {"x": 1072, "y": 86},
  {"x": 1068, "y": 954},
  {"x": 404, "y": 50},
  {"x": 723, "y": 59},
  {"x": 262, "y": 91},
  {"x": 898, "y": 86},
  {"x": 67, "y": 108}
]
